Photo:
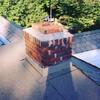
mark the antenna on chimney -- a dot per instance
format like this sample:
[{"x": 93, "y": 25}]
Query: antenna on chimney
[
  {"x": 50, "y": 9},
  {"x": 49, "y": 18}
]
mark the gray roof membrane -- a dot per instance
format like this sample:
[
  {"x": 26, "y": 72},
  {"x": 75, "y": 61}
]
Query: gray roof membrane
[
  {"x": 9, "y": 31},
  {"x": 86, "y": 47},
  {"x": 20, "y": 81},
  {"x": 86, "y": 41},
  {"x": 92, "y": 57}
]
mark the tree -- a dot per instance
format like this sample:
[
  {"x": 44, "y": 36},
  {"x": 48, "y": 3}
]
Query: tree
[{"x": 78, "y": 15}]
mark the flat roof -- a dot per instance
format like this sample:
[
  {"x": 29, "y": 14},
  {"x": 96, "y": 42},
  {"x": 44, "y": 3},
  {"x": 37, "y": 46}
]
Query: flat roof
[
  {"x": 92, "y": 57},
  {"x": 18, "y": 80}
]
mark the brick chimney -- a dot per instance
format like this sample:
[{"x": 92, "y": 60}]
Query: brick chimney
[{"x": 48, "y": 43}]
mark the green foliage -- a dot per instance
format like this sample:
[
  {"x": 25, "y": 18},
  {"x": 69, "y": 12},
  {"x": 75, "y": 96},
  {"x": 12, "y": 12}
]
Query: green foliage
[
  {"x": 97, "y": 22},
  {"x": 77, "y": 15},
  {"x": 23, "y": 12},
  {"x": 80, "y": 15}
]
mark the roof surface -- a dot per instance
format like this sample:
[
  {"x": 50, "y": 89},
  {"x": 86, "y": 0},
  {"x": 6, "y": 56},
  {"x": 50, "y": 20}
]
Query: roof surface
[
  {"x": 9, "y": 32},
  {"x": 19, "y": 81},
  {"x": 86, "y": 41},
  {"x": 91, "y": 57}
]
